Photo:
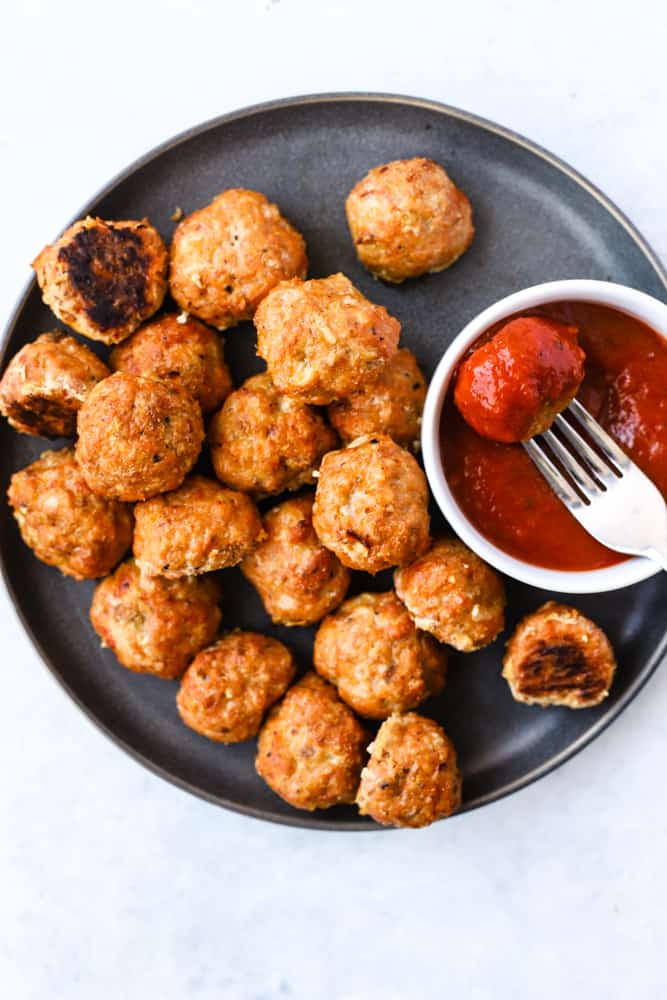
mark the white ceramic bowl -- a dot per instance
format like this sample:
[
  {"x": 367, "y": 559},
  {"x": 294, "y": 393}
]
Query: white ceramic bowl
[{"x": 627, "y": 300}]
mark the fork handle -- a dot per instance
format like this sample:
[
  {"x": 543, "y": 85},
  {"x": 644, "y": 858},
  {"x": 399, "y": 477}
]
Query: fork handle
[{"x": 659, "y": 554}]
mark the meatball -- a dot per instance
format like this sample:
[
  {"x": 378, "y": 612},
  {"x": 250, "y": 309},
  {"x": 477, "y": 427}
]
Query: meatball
[
  {"x": 45, "y": 384},
  {"x": 371, "y": 505},
  {"x": 104, "y": 278},
  {"x": 227, "y": 256},
  {"x": 198, "y": 528},
  {"x": 228, "y": 687},
  {"x": 180, "y": 350},
  {"x": 380, "y": 663},
  {"x": 311, "y": 748},
  {"x": 63, "y": 522},
  {"x": 323, "y": 339},
  {"x": 513, "y": 386},
  {"x": 412, "y": 777},
  {"x": 264, "y": 443},
  {"x": 453, "y": 595},
  {"x": 557, "y": 656},
  {"x": 392, "y": 404},
  {"x": 153, "y": 625},
  {"x": 408, "y": 218},
  {"x": 298, "y": 580},
  {"x": 137, "y": 437}
]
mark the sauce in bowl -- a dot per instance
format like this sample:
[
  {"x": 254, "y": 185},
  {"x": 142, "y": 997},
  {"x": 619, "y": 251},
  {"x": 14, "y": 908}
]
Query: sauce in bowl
[{"x": 498, "y": 487}]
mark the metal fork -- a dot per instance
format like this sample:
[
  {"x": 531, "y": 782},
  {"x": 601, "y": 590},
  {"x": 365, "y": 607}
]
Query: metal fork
[{"x": 606, "y": 492}]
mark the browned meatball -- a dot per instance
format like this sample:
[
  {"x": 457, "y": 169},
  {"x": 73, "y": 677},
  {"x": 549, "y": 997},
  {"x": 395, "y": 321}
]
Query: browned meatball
[
  {"x": 45, "y": 384},
  {"x": 311, "y": 748},
  {"x": 63, "y": 522},
  {"x": 323, "y": 339},
  {"x": 137, "y": 437},
  {"x": 153, "y": 625},
  {"x": 181, "y": 350},
  {"x": 298, "y": 580},
  {"x": 412, "y": 777},
  {"x": 371, "y": 505},
  {"x": 104, "y": 278},
  {"x": 228, "y": 687},
  {"x": 227, "y": 256},
  {"x": 263, "y": 442},
  {"x": 380, "y": 663},
  {"x": 392, "y": 404},
  {"x": 453, "y": 595},
  {"x": 198, "y": 528},
  {"x": 557, "y": 656},
  {"x": 408, "y": 218}
]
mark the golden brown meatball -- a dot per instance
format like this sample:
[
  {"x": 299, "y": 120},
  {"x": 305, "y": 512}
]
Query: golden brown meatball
[
  {"x": 198, "y": 528},
  {"x": 412, "y": 777},
  {"x": 181, "y": 350},
  {"x": 392, "y": 404},
  {"x": 408, "y": 218},
  {"x": 104, "y": 278},
  {"x": 323, "y": 339},
  {"x": 227, "y": 256},
  {"x": 137, "y": 437},
  {"x": 45, "y": 384},
  {"x": 63, "y": 522},
  {"x": 228, "y": 687},
  {"x": 453, "y": 595},
  {"x": 557, "y": 656},
  {"x": 311, "y": 748},
  {"x": 263, "y": 442},
  {"x": 371, "y": 505},
  {"x": 153, "y": 625},
  {"x": 380, "y": 663},
  {"x": 298, "y": 580}
]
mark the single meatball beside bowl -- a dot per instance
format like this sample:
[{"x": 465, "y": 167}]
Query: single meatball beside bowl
[{"x": 408, "y": 218}]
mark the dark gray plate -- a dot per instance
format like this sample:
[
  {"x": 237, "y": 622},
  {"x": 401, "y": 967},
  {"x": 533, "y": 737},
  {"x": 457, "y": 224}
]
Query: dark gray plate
[{"x": 536, "y": 220}]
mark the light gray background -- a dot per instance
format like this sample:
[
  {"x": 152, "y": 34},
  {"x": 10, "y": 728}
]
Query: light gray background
[{"x": 113, "y": 884}]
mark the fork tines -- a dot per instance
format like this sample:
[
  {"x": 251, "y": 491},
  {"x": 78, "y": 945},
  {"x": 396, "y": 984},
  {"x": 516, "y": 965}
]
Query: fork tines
[{"x": 579, "y": 462}]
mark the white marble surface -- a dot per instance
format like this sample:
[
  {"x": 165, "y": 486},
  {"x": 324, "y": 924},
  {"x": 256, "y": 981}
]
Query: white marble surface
[{"x": 113, "y": 884}]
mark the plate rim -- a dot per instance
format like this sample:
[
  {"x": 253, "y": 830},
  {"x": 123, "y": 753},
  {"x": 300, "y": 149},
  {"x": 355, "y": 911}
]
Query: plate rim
[{"x": 308, "y": 820}]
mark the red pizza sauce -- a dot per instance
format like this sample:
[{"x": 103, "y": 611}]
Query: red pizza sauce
[{"x": 497, "y": 485}]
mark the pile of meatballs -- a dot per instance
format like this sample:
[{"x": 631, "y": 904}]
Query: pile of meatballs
[{"x": 338, "y": 408}]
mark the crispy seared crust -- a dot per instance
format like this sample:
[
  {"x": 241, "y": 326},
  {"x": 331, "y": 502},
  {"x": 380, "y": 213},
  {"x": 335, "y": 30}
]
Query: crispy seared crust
[
  {"x": 227, "y": 256},
  {"x": 228, "y": 687},
  {"x": 311, "y": 748},
  {"x": 298, "y": 580},
  {"x": 322, "y": 339},
  {"x": 63, "y": 522},
  {"x": 137, "y": 437},
  {"x": 371, "y": 505},
  {"x": 198, "y": 528},
  {"x": 380, "y": 663},
  {"x": 263, "y": 442},
  {"x": 104, "y": 278},
  {"x": 407, "y": 218},
  {"x": 412, "y": 777},
  {"x": 453, "y": 595},
  {"x": 45, "y": 384},
  {"x": 182, "y": 351},
  {"x": 557, "y": 656},
  {"x": 392, "y": 404},
  {"x": 153, "y": 625}
]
